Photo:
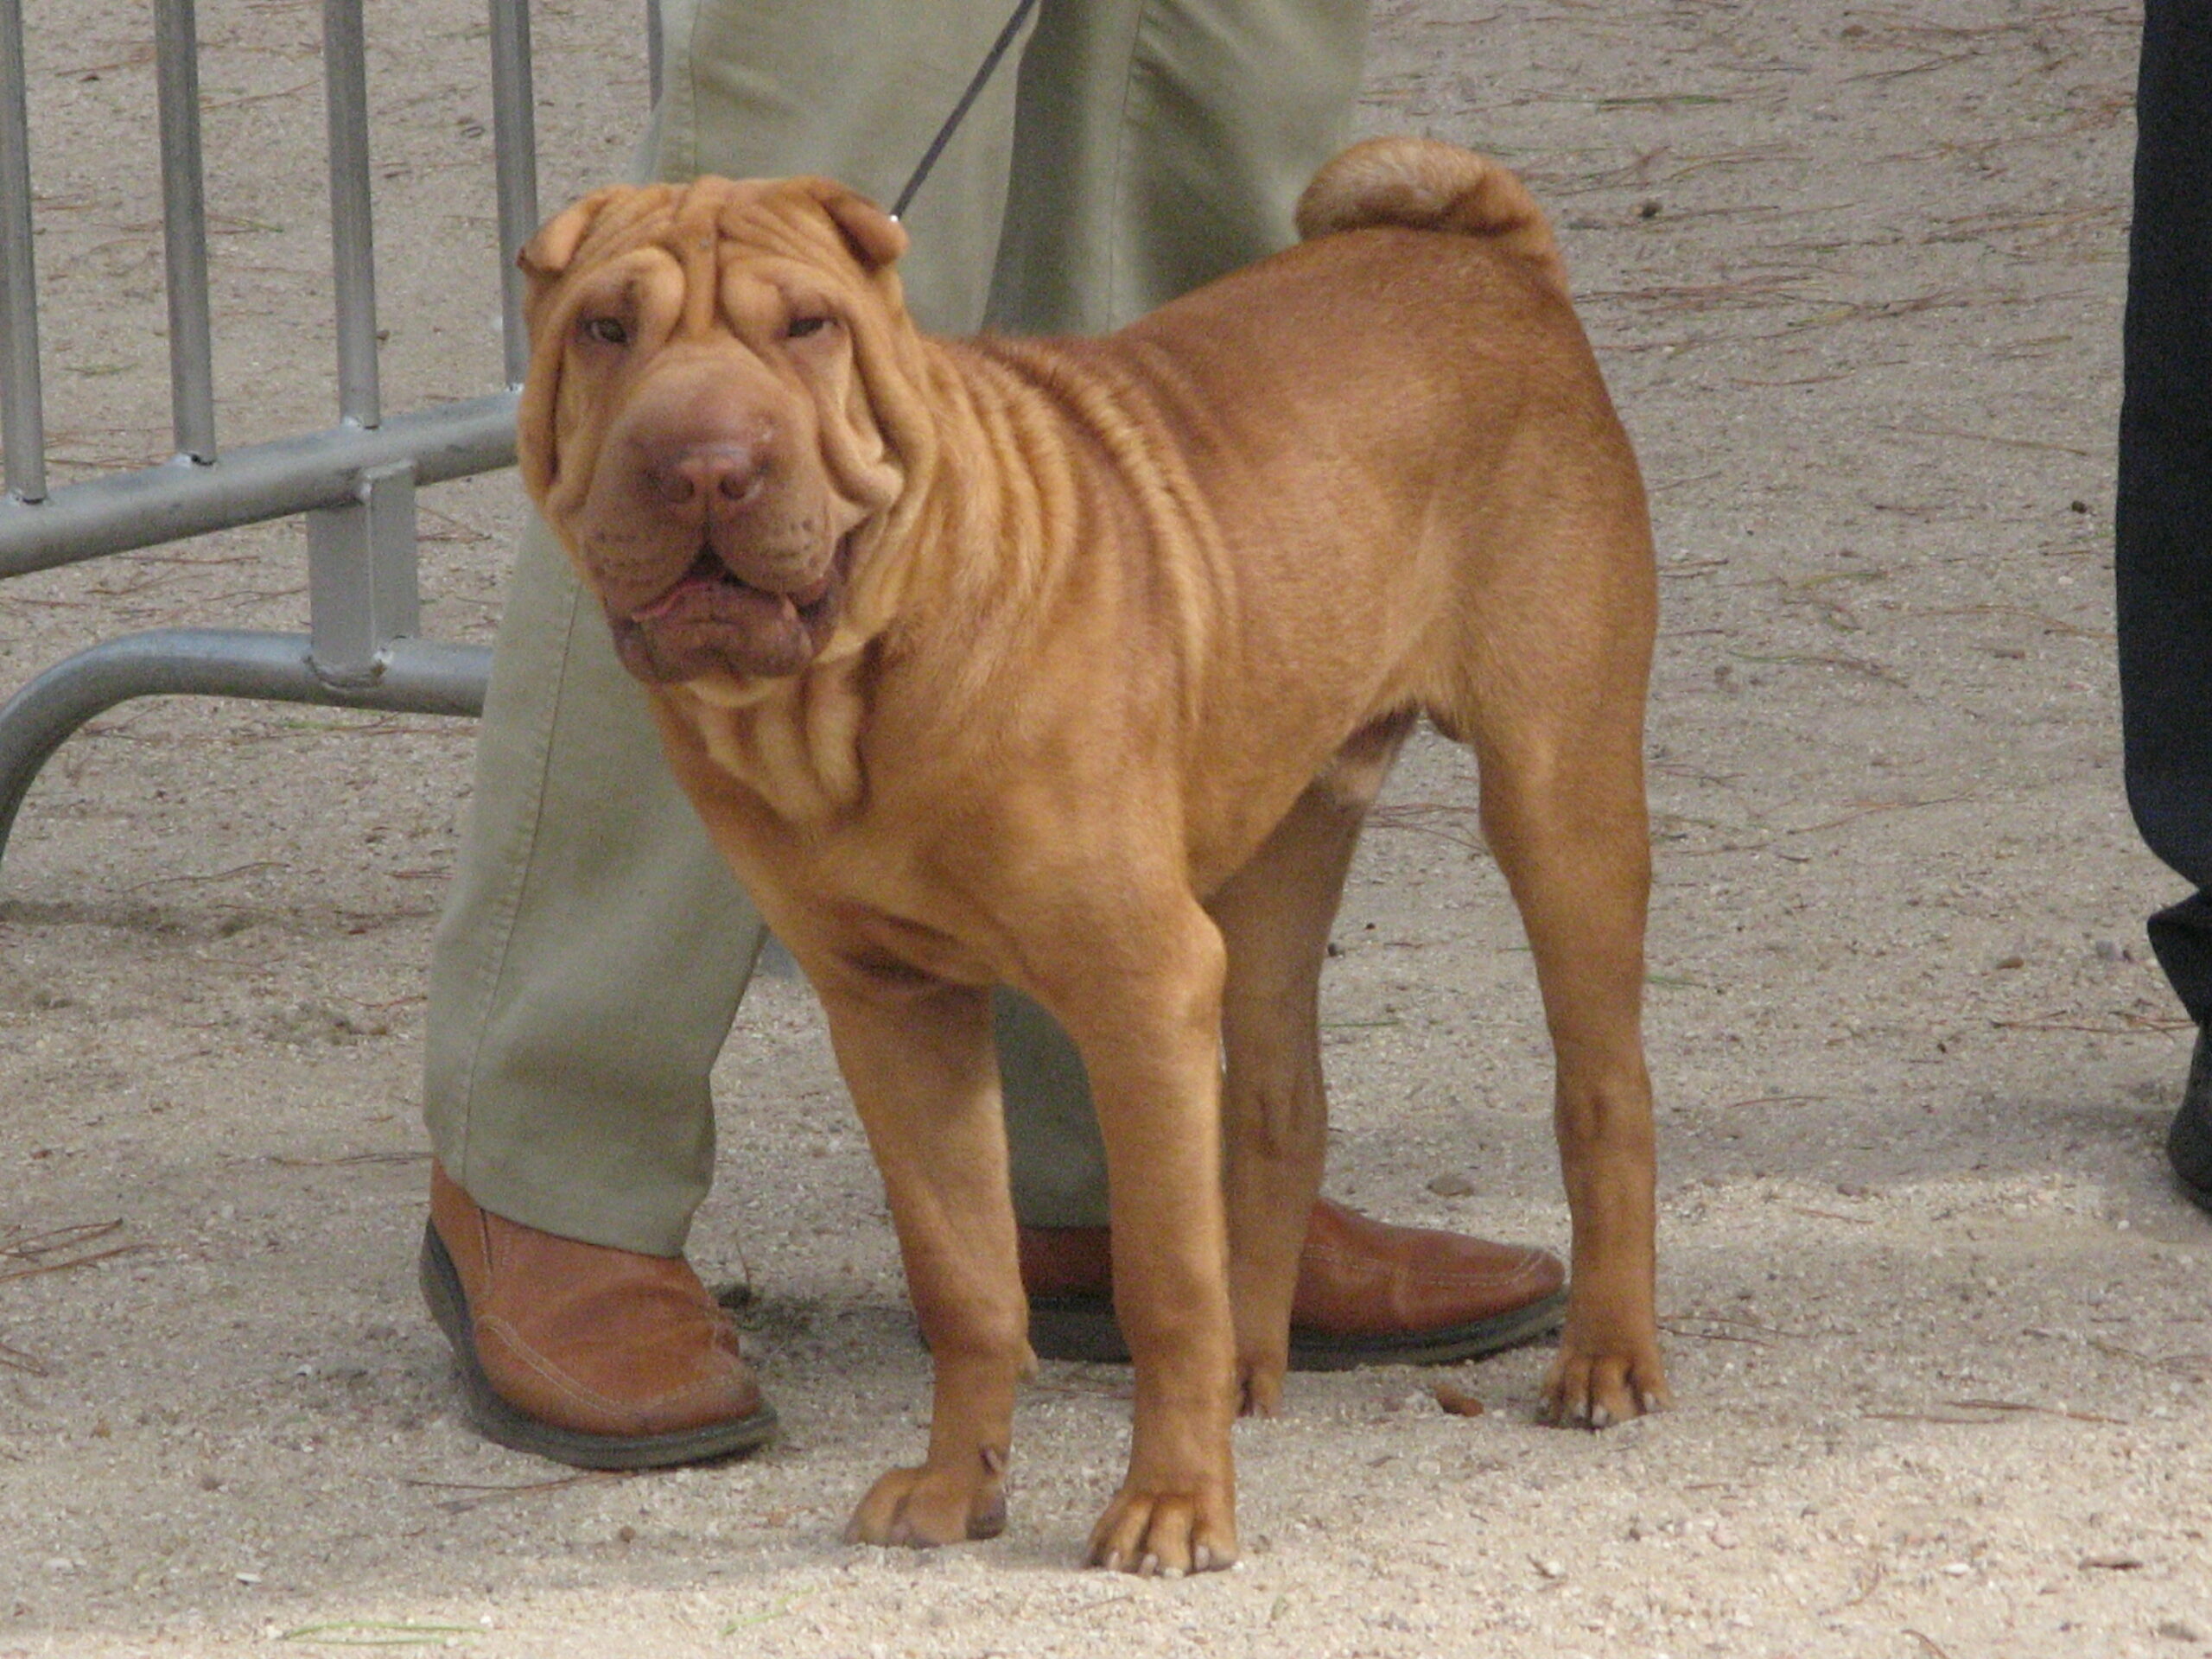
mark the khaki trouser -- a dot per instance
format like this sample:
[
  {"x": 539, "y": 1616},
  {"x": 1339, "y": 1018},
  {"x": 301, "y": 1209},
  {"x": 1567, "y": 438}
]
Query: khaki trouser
[{"x": 594, "y": 946}]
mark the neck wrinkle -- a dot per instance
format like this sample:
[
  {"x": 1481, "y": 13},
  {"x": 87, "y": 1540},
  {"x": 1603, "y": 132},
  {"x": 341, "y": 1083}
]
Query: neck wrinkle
[{"x": 989, "y": 501}]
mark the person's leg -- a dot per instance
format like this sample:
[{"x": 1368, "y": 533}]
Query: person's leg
[
  {"x": 1159, "y": 144},
  {"x": 2162, "y": 523},
  {"x": 592, "y": 951},
  {"x": 594, "y": 946},
  {"x": 854, "y": 89}
]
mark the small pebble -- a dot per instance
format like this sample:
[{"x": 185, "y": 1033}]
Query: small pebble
[
  {"x": 1451, "y": 1185},
  {"x": 2180, "y": 1630},
  {"x": 1457, "y": 1400}
]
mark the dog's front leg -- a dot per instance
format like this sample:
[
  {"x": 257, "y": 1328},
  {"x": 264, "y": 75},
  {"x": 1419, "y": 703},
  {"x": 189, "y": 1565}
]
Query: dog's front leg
[
  {"x": 1150, "y": 1034},
  {"x": 917, "y": 1054}
]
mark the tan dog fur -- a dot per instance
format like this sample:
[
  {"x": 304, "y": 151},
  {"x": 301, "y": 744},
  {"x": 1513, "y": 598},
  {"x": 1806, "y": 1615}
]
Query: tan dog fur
[{"x": 1072, "y": 665}]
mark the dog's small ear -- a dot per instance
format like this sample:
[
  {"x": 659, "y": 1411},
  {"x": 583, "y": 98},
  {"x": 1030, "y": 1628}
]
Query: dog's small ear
[
  {"x": 547, "y": 254},
  {"x": 875, "y": 237}
]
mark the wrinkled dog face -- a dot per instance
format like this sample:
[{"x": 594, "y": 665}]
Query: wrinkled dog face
[{"x": 696, "y": 424}]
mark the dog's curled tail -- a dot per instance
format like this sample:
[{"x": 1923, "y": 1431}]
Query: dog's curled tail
[{"x": 1423, "y": 185}]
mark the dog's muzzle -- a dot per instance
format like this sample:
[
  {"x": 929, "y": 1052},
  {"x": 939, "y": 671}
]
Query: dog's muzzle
[{"x": 711, "y": 619}]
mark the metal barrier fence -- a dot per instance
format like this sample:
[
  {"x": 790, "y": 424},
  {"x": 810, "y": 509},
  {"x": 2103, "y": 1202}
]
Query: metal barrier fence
[{"x": 355, "y": 481}]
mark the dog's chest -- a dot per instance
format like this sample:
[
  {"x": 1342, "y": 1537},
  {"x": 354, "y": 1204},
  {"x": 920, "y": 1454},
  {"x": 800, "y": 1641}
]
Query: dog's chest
[
  {"x": 784, "y": 788},
  {"x": 795, "y": 743}
]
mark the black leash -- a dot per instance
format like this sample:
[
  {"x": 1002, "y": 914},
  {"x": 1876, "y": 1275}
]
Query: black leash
[{"x": 999, "y": 49}]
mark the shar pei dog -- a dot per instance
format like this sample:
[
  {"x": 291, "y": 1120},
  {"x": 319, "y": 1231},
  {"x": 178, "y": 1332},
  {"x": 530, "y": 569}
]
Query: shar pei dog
[{"x": 1072, "y": 665}]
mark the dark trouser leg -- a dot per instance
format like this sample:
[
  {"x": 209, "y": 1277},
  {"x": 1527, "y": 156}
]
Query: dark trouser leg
[{"x": 2164, "y": 554}]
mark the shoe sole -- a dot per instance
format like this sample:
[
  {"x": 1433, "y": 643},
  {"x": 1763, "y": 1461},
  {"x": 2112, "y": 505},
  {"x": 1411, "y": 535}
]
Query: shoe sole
[
  {"x": 497, "y": 1421},
  {"x": 1084, "y": 1329}
]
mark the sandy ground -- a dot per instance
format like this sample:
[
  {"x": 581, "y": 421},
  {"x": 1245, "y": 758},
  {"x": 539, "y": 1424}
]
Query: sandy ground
[{"x": 1939, "y": 1324}]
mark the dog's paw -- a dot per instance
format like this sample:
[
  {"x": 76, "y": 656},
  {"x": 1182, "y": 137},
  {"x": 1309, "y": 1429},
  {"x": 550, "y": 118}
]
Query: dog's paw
[
  {"x": 1259, "y": 1387},
  {"x": 1169, "y": 1534},
  {"x": 1596, "y": 1389},
  {"x": 923, "y": 1508}
]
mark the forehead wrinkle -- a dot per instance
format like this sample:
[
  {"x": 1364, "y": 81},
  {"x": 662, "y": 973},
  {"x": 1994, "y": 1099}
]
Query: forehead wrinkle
[
  {"x": 751, "y": 299},
  {"x": 693, "y": 240},
  {"x": 633, "y": 218},
  {"x": 778, "y": 219},
  {"x": 739, "y": 245},
  {"x": 695, "y": 254},
  {"x": 636, "y": 280}
]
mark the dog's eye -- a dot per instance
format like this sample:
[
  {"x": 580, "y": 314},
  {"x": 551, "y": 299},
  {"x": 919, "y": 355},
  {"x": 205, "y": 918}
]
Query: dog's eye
[
  {"x": 607, "y": 331},
  {"x": 800, "y": 327}
]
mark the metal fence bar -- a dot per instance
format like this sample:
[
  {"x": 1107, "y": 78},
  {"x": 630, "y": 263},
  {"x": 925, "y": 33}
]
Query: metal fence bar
[
  {"x": 355, "y": 482},
  {"x": 418, "y": 677},
  {"x": 262, "y": 481},
  {"x": 362, "y": 594},
  {"x": 184, "y": 230},
  {"x": 22, "y": 417},
  {"x": 353, "y": 239},
  {"x": 514, "y": 143}
]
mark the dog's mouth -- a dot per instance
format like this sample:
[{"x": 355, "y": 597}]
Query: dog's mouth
[
  {"x": 711, "y": 618},
  {"x": 709, "y": 582}
]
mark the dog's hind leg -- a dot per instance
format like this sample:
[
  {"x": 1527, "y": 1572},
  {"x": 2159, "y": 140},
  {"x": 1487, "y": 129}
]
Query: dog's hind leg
[
  {"x": 1275, "y": 915},
  {"x": 1555, "y": 715}
]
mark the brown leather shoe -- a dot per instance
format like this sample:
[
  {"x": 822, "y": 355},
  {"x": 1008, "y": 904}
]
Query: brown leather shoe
[
  {"x": 599, "y": 1358},
  {"x": 1368, "y": 1294}
]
